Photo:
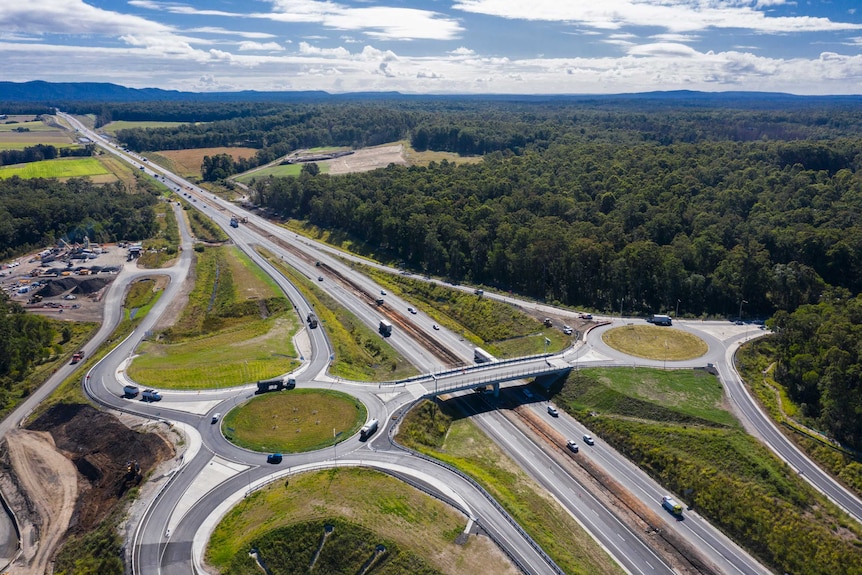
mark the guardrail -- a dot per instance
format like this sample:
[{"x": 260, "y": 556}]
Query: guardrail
[{"x": 500, "y": 509}]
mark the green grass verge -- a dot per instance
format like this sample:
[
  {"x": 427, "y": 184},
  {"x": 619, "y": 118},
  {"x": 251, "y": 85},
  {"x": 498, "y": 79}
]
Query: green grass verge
[
  {"x": 360, "y": 353},
  {"x": 202, "y": 227},
  {"x": 684, "y": 396},
  {"x": 60, "y": 168},
  {"x": 294, "y": 421},
  {"x": 727, "y": 475},
  {"x": 7, "y": 143},
  {"x": 654, "y": 342},
  {"x": 166, "y": 241},
  {"x": 755, "y": 361},
  {"x": 234, "y": 329},
  {"x": 501, "y": 329},
  {"x": 446, "y": 435},
  {"x": 386, "y": 509}
]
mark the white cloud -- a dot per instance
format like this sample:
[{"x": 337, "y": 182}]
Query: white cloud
[
  {"x": 672, "y": 15},
  {"x": 261, "y": 47},
  {"x": 241, "y": 34},
  {"x": 663, "y": 49},
  {"x": 71, "y": 17},
  {"x": 462, "y": 51},
  {"x": 339, "y": 52},
  {"x": 383, "y": 22}
]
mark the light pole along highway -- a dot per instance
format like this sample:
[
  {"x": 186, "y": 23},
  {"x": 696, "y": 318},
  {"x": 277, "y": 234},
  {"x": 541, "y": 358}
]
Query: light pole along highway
[{"x": 154, "y": 537}]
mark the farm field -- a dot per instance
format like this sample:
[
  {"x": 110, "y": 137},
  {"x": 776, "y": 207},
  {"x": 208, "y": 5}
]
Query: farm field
[
  {"x": 39, "y": 133},
  {"x": 391, "y": 510},
  {"x": 60, "y": 168},
  {"x": 187, "y": 163}
]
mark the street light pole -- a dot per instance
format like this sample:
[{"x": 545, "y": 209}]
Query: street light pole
[
  {"x": 741, "y": 301},
  {"x": 677, "y": 309}
]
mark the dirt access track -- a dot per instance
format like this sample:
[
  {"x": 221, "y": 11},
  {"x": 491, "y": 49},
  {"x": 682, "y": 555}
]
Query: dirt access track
[
  {"x": 367, "y": 159},
  {"x": 67, "y": 471}
]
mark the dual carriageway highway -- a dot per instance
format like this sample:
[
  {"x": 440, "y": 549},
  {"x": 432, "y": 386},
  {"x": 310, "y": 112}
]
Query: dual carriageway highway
[{"x": 171, "y": 536}]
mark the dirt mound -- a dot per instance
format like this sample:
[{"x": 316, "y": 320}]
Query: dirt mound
[
  {"x": 101, "y": 448},
  {"x": 82, "y": 286}
]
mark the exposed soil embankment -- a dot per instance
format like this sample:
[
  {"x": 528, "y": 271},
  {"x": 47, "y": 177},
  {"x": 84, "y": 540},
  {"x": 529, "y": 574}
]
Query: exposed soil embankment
[{"x": 68, "y": 471}]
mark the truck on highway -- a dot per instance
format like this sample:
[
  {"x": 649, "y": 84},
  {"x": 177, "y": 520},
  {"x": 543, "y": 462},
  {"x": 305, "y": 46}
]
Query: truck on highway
[
  {"x": 151, "y": 395},
  {"x": 77, "y": 356},
  {"x": 312, "y": 320},
  {"x": 368, "y": 430},
  {"x": 671, "y": 505},
  {"x": 385, "y": 328},
  {"x": 130, "y": 390}
]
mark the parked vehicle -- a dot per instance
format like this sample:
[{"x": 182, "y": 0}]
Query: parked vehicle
[
  {"x": 130, "y": 390},
  {"x": 368, "y": 430},
  {"x": 567, "y": 330}
]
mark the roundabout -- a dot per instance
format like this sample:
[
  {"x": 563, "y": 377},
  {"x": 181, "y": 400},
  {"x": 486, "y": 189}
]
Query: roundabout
[
  {"x": 656, "y": 343},
  {"x": 294, "y": 421}
]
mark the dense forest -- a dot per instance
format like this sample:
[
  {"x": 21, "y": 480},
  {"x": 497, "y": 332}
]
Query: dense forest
[
  {"x": 820, "y": 363},
  {"x": 37, "y": 212},
  {"x": 468, "y": 128},
  {"x": 643, "y": 227},
  {"x": 26, "y": 340}
]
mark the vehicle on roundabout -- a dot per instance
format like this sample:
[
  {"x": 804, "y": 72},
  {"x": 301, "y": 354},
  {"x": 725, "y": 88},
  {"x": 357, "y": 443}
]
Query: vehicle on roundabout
[{"x": 274, "y": 458}]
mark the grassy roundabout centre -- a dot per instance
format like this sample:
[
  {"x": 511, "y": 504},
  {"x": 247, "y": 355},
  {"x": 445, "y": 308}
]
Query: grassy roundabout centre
[
  {"x": 654, "y": 342},
  {"x": 294, "y": 421}
]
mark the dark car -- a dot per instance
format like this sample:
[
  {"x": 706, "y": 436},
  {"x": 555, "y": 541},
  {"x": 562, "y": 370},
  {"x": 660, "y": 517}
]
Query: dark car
[{"x": 273, "y": 458}]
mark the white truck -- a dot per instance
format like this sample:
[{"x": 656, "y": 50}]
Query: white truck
[
  {"x": 368, "y": 430},
  {"x": 151, "y": 395}
]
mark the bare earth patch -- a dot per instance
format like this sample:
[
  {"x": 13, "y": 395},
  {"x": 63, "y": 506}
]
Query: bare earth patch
[
  {"x": 188, "y": 162},
  {"x": 367, "y": 159},
  {"x": 50, "y": 482}
]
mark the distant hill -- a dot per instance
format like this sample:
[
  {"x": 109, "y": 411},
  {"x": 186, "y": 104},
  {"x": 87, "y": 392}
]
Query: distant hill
[{"x": 56, "y": 93}]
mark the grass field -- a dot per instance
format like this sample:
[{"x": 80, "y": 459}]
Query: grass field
[
  {"x": 187, "y": 163},
  {"x": 235, "y": 329},
  {"x": 166, "y": 242},
  {"x": 418, "y": 524},
  {"x": 60, "y": 168},
  {"x": 448, "y": 436},
  {"x": 687, "y": 396},
  {"x": 294, "y": 421},
  {"x": 12, "y": 142},
  {"x": 31, "y": 126},
  {"x": 415, "y": 158},
  {"x": 113, "y": 127},
  {"x": 667, "y": 424},
  {"x": 280, "y": 171},
  {"x": 654, "y": 342}
]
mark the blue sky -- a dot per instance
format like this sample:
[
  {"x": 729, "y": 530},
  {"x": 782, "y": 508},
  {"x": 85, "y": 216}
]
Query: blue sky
[{"x": 439, "y": 46}]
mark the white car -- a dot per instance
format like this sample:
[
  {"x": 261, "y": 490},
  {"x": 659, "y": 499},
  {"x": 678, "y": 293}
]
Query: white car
[
  {"x": 553, "y": 411},
  {"x": 411, "y": 310},
  {"x": 589, "y": 440}
]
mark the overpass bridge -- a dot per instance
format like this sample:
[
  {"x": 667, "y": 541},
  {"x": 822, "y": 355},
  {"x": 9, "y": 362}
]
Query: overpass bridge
[{"x": 494, "y": 374}]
